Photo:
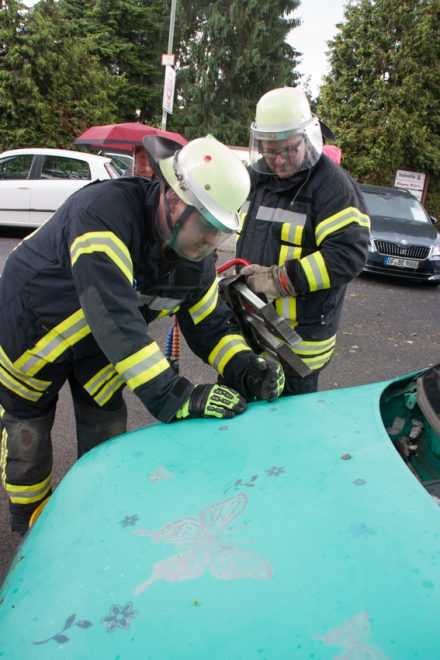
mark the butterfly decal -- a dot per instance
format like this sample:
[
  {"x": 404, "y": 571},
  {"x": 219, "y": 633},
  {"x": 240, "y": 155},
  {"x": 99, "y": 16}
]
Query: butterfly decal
[
  {"x": 201, "y": 546},
  {"x": 354, "y": 638}
]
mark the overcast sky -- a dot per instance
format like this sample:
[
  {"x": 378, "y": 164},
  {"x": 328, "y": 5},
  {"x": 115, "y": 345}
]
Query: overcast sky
[{"x": 319, "y": 18}]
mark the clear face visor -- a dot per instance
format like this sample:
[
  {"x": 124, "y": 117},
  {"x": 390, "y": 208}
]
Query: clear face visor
[
  {"x": 284, "y": 153},
  {"x": 191, "y": 235}
]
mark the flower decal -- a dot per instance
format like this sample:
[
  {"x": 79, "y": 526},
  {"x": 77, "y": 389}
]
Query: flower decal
[{"x": 120, "y": 616}]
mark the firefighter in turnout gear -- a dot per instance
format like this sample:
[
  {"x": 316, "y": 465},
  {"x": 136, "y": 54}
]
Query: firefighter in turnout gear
[
  {"x": 77, "y": 297},
  {"x": 305, "y": 227}
]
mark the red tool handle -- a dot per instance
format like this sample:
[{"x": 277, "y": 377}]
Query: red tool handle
[{"x": 232, "y": 262}]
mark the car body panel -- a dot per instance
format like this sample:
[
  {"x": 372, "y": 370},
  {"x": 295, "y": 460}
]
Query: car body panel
[
  {"x": 406, "y": 247},
  {"x": 47, "y": 196},
  {"x": 53, "y": 176},
  {"x": 15, "y": 202},
  {"x": 294, "y": 530}
]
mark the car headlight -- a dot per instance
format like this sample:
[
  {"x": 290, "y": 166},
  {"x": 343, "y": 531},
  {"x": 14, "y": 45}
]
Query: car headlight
[
  {"x": 371, "y": 247},
  {"x": 436, "y": 251}
]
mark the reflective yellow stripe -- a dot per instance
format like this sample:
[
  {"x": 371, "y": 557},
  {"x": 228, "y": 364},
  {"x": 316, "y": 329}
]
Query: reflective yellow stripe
[
  {"x": 107, "y": 242},
  {"x": 242, "y": 214},
  {"x": 143, "y": 366},
  {"x": 206, "y": 305},
  {"x": 305, "y": 348},
  {"x": 168, "y": 312},
  {"x": 289, "y": 252},
  {"x": 318, "y": 361},
  {"x": 98, "y": 379},
  {"x": 292, "y": 233},
  {"x": 104, "y": 384},
  {"x": 316, "y": 354},
  {"x": 14, "y": 386},
  {"x": 286, "y": 307},
  {"x": 340, "y": 220},
  {"x": 34, "y": 383},
  {"x": 109, "y": 389},
  {"x": 315, "y": 271},
  {"x": 225, "y": 350},
  {"x": 3, "y": 450},
  {"x": 51, "y": 346},
  {"x": 28, "y": 494}
]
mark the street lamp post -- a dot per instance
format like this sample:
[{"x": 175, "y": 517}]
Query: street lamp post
[{"x": 169, "y": 51}]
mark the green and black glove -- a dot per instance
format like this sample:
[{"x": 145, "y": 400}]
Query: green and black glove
[
  {"x": 264, "y": 379},
  {"x": 212, "y": 401}
]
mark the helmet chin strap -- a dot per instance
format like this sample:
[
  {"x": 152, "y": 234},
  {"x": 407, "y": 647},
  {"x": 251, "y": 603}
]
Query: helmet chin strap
[{"x": 175, "y": 229}]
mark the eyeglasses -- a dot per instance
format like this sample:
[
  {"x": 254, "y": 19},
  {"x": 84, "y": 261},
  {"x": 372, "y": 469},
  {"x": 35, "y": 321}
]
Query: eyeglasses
[{"x": 285, "y": 153}]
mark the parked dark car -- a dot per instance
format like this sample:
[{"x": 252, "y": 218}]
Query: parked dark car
[{"x": 404, "y": 241}]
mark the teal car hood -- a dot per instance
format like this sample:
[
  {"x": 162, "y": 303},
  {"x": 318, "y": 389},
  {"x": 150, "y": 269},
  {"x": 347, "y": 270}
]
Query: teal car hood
[{"x": 294, "y": 530}]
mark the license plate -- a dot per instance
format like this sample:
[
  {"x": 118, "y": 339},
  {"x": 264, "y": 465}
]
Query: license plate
[{"x": 401, "y": 263}]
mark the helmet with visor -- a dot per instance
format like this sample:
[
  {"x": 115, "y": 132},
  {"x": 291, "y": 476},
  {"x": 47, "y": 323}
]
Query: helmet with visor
[
  {"x": 285, "y": 136},
  {"x": 213, "y": 184}
]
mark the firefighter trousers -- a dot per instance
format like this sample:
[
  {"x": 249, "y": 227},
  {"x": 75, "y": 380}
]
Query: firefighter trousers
[{"x": 26, "y": 456}]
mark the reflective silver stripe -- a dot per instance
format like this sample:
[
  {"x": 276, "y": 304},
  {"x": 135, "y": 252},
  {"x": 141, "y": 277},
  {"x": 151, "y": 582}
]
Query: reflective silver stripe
[
  {"x": 206, "y": 304},
  {"x": 15, "y": 493},
  {"x": 143, "y": 365},
  {"x": 98, "y": 380},
  {"x": 108, "y": 390},
  {"x": 281, "y": 215},
  {"x": 318, "y": 361},
  {"x": 229, "y": 344},
  {"x": 340, "y": 220},
  {"x": 316, "y": 270},
  {"x": 5, "y": 362},
  {"x": 14, "y": 386},
  {"x": 244, "y": 209},
  {"x": 315, "y": 348},
  {"x": 58, "y": 340},
  {"x": 89, "y": 243},
  {"x": 158, "y": 304}
]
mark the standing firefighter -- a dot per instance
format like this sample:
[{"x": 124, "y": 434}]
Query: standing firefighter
[
  {"x": 78, "y": 294},
  {"x": 305, "y": 228}
]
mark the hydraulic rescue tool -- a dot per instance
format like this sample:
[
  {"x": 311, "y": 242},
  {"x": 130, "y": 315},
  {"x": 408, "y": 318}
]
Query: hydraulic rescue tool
[{"x": 262, "y": 327}]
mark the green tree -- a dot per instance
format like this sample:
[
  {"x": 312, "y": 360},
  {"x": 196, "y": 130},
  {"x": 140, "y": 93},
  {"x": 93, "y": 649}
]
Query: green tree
[
  {"x": 129, "y": 37},
  {"x": 382, "y": 96},
  {"x": 229, "y": 53},
  {"x": 51, "y": 87}
]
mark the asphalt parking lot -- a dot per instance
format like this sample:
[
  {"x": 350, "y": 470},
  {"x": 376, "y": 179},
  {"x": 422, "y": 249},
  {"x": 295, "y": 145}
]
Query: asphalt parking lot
[{"x": 388, "y": 328}]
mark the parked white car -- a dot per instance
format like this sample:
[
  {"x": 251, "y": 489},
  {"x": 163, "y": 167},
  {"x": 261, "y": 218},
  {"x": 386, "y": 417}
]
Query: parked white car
[{"x": 35, "y": 182}]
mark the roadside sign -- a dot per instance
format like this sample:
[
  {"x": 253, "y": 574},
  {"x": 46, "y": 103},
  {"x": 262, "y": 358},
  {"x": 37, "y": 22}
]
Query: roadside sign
[
  {"x": 168, "y": 90},
  {"x": 168, "y": 59},
  {"x": 415, "y": 182}
]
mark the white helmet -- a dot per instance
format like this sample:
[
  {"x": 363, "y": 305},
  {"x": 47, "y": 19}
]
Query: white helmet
[
  {"x": 209, "y": 176},
  {"x": 281, "y": 114},
  {"x": 210, "y": 179}
]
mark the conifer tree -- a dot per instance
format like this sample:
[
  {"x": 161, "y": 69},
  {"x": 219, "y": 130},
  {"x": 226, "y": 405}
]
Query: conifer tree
[
  {"x": 51, "y": 88},
  {"x": 382, "y": 96},
  {"x": 129, "y": 37},
  {"x": 230, "y": 53}
]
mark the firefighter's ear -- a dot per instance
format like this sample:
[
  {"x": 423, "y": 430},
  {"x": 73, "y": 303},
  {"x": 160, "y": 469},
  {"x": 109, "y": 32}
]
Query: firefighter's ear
[{"x": 175, "y": 204}]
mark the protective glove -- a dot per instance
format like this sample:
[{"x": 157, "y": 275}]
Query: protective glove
[
  {"x": 212, "y": 401},
  {"x": 264, "y": 379},
  {"x": 272, "y": 281}
]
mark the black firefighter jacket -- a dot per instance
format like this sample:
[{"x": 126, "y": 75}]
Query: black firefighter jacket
[
  {"x": 78, "y": 294},
  {"x": 315, "y": 223}
]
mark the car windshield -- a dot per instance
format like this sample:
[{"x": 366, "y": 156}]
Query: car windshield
[
  {"x": 393, "y": 205},
  {"x": 121, "y": 163}
]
